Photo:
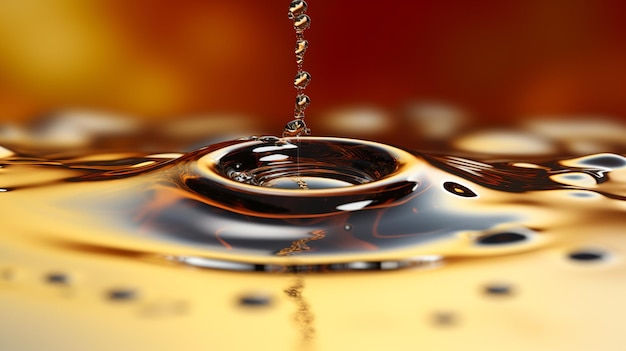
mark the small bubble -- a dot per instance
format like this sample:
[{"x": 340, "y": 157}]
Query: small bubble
[
  {"x": 297, "y": 8},
  {"x": 458, "y": 189},
  {"x": 302, "y": 102},
  {"x": 301, "y": 23},
  {"x": 347, "y": 227},
  {"x": 501, "y": 238},
  {"x": 586, "y": 255},
  {"x": 58, "y": 278},
  {"x": 122, "y": 294},
  {"x": 301, "y": 46},
  {"x": 301, "y": 80}
]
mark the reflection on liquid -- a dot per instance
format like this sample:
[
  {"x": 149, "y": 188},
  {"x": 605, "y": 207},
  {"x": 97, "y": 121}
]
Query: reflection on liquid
[{"x": 409, "y": 248}]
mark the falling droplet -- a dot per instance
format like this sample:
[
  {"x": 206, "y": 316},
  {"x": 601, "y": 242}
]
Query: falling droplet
[
  {"x": 301, "y": 80},
  {"x": 296, "y": 127},
  {"x": 301, "y": 46},
  {"x": 297, "y": 8},
  {"x": 302, "y": 102},
  {"x": 301, "y": 23}
]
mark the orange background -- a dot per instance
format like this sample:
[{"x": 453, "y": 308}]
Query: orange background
[{"x": 166, "y": 59}]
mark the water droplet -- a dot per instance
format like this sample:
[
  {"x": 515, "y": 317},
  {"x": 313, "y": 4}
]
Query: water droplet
[
  {"x": 301, "y": 80},
  {"x": 301, "y": 46},
  {"x": 501, "y": 238},
  {"x": 297, "y": 8},
  {"x": 122, "y": 294},
  {"x": 458, "y": 189},
  {"x": 302, "y": 102},
  {"x": 586, "y": 255},
  {"x": 301, "y": 23},
  {"x": 295, "y": 128}
]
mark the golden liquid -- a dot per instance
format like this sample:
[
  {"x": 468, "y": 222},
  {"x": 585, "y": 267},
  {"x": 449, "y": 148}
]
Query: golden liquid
[{"x": 103, "y": 251}]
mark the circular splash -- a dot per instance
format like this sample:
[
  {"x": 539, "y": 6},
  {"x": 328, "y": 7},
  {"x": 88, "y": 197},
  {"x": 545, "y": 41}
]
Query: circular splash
[{"x": 266, "y": 177}]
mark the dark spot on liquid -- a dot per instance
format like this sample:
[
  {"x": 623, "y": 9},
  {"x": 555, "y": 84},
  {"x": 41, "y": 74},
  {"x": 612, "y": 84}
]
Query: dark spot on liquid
[
  {"x": 609, "y": 161},
  {"x": 58, "y": 278},
  {"x": 458, "y": 189},
  {"x": 445, "y": 319},
  {"x": 255, "y": 300},
  {"x": 586, "y": 256},
  {"x": 8, "y": 274},
  {"x": 498, "y": 289},
  {"x": 501, "y": 238},
  {"x": 122, "y": 294}
]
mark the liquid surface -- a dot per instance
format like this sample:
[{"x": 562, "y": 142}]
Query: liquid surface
[{"x": 409, "y": 247}]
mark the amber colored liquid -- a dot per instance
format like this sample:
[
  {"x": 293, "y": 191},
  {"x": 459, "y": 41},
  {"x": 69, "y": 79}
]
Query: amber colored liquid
[{"x": 218, "y": 249}]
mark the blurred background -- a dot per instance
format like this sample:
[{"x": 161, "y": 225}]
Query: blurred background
[{"x": 218, "y": 66}]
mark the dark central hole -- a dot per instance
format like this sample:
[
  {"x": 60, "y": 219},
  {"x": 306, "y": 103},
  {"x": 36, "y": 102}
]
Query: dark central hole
[{"x": 321, "y": 164}]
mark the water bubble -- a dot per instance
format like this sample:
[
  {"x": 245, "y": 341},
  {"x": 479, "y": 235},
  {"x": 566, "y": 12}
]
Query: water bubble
[
  {"x": 501, "y": 238},
  {"x": 301, "y": 23},
  {"x": 301, "y": 46},
  {"x": 302, "y": 79},
  {"x": 302, "y": 102},
  {"x": 347, "y": 227},
  {"x": 297, "y": 8},
  {"x": 458, "y": 189}
]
